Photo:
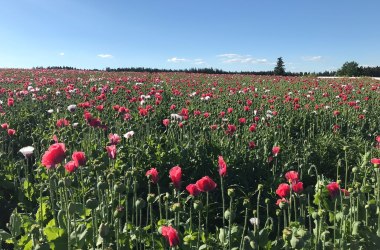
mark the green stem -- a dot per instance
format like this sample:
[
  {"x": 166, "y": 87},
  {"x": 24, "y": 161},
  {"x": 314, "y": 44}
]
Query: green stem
[
  {"x": 230, "y": 224},
  {"x": 223, "y": 206},
  {"x": 244, "y": 228}
]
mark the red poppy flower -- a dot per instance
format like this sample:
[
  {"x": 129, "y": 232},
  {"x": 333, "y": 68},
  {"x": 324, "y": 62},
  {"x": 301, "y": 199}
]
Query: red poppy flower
[
  {"x": 282, "y": 200},
  {"x": 283, "y": 190},
  {"x": 205, "y": 184},
  {"x": 4, "y": 126},
  {"x": 252, "y": 128},
  {"x": 114, "y": 139},
  {"x": 175, "y": 175},
  {"x": 143, "y": 112},
  {"x": 11, "y": 132},
  {"x": 62, "y": 123},
  {"x": 375, "y": 161},
  {"x": 297, "y": 187},
  {"x": 70, "y": 166},
  {"x": 275, "y": 150},
  {"x": 153, "y": 175},
  {"x": 166, "y": 122},
  {"x": 251, "y": 145},
  {"x": 230, "y": 129},
  {"x": 213, "y": 127},
  {"x": 79, "y": 158},
  {"x": 333, "y": 189},
  {"x": 10, "y": 102},
  {"x": 54, "y": 155},
  {"x": 171, "y": 235},
  {"x": 193, "y": 189},
  {"x": 222, "y": 166},
  {"x": 111, "y": 150},
  {"x": 242, "y": 120},
  {"x": 292, "y": 176}
]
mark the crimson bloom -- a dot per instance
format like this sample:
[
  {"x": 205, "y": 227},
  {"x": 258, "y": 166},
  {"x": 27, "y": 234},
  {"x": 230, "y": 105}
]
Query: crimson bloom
[
  {"x": 375, "y": 161},
  {"x": 114, "y": 139},
  {"x": 171, "y": 235},
  {"x": 79, "y": 158},
  {"x": 205, "y": 184},
  {"x": 62, "y": 123},
  {"x": 166, "y": 122},
  {"x": 222, "y": 166},
  {"x": 193, "y": 190},
  {"x": 292, "y": 176},
  {"x": 297, "y": 187},
  {"x": 283, "y": 190},
  {"x": 153, "y": 175},
  {"x": 333, "y": 189},
  {"x": 11, "y": 132},
  {"x": 4, "y": 126},
  {"x": 70, "y": 166},
  {"x": 175, "y": 175},
  {"x": 10, "y": 102},
  {"x": 111, "y": 150},
  {"x": 276, "y": 150},
  {"x": 54, "y": 155}
]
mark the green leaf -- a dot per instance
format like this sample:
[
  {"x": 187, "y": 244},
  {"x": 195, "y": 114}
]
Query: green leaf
[
  {"x": 15, "y": 223},
  {"x": 41, "y": 214},
  {"x": 4, "y": 235},
  {"x": 53, "y": 233}
]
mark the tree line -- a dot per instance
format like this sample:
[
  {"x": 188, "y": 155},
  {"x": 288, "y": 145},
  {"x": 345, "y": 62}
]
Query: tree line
[{"x": 348, "y": 69}]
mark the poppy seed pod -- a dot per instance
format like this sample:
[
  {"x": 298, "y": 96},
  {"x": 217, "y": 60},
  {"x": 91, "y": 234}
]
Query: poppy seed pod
[
  {"x": 198, "y": 205},
  {"x": 150, "y": 198},
  {"x": 103, "y": 230},
  {"x": 140, "y": 204},
  {"x": 92, "y": 203}
]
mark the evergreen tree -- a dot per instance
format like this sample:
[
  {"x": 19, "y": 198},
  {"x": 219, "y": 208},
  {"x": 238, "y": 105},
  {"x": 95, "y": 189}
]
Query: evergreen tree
[
  {"x": 349, "y": 69},
  {"x": 280, "y": 67}
]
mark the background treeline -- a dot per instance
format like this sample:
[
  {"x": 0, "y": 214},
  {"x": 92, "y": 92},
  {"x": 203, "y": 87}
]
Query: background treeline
[
  {"x": 351, "y": 71},
  {"x": 194, "y": 70}
]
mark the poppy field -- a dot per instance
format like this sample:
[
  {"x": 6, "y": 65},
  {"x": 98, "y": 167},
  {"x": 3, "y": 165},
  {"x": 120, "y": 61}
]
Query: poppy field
[{"x": 113, "y": 160}]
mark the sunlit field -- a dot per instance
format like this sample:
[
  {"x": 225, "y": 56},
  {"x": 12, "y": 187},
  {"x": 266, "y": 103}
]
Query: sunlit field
[{"x": 101, "y": 160}]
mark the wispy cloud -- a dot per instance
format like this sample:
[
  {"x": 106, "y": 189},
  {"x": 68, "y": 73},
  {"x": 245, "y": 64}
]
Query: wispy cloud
[
  {"x": 105, "y": 56},
  {"x": 61, "y": 54},
  {"x": 246, "y": 59},
  {"x": 199, "y": 61},
  {"x": 176, "y": 60},
  {"x": 312, "y": 58}
]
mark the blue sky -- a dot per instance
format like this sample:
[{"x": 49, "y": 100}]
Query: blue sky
[{"x": 224, "y": 34}]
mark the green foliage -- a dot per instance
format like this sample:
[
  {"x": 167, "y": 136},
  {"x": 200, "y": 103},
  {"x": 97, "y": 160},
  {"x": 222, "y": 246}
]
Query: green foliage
[
  {"x": 280, "y": 67},
  {"x": 349, "y": 69}
]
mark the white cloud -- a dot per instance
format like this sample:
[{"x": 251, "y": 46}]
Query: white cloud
[
  {"x": 61, "y": 54},
  {"x": 199, "y": 61},
  {"x": 236, "y": 58},
  {"x": 105, "y": 56},
  {"x": 176, "y": 60},
  {"x": 312, "y": 58}
]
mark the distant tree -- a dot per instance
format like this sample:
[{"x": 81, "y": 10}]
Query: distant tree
[
  {"x": 280, "y": 67},
  {"x": 349, "y": 69}
]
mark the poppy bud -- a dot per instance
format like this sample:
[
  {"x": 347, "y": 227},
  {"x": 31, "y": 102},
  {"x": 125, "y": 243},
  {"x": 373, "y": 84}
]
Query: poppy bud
[
  {"x": 104, "y": 230},
  {"x": 140, "y": 204},
  {"x": 92, "y": 203},
  {"x": 176, "y": 207},
  {"x": 150, "y": 198},
  {"x": 102, "y": 186},
  {"x": 119, "y": 188},
  {"x": 198, "y": 205},
  {"x": 229, "y": 215},
  {"x": 246, "y": 203},
  {"x": 231, "y": 192}
]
